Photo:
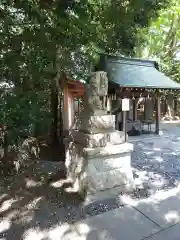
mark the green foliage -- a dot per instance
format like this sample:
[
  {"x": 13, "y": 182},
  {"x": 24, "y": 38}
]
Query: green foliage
[
  {"x": 171, "y": 67},
  {"x": 41, "y": 38},
  {"x": 160, "y": 41}
]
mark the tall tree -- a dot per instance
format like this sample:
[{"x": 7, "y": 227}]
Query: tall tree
[
  {"x": 161, "y": 41},
  {"x": 42, "y": 38},
  {"x": 161, "y": 38}
]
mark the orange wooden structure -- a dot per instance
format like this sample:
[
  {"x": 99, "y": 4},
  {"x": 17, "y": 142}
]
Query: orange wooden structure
[
  {"x": 72, "y": 91},
  {"x": 75, "y": 88}
]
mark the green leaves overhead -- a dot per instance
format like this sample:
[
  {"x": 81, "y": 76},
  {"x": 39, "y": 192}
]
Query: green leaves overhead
[
  {"x": 33, "y": 31},
  {"x": 108, "y": 25},
  {"x": 161, "y": 40}
]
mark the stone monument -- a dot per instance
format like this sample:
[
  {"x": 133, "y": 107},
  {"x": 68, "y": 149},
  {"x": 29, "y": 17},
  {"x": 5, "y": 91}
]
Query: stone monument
[{"x": 97, "y": 157}]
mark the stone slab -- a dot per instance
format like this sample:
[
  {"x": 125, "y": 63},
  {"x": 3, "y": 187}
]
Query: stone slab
[
  {"x": 109, "y": 172},
  {"x": 122, "y": 223},
  {"x": 163, "y": 208},
  {"x": 121, "y": 160},
  {"x": 172, "y": 233},
  {"x": 107, "y": 168},
  {"x": 98, "y": 139},
  {"x": 110, "y": 179},
  {"x": 109, "y": 150},
  {"x": 98, "y": 124}
]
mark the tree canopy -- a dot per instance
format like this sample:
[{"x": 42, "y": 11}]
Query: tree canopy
[
  {"x": 41, "y": 38},
  {"x": 161, "y": 40}
]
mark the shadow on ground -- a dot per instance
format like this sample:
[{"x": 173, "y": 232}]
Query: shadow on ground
[
  {"x": 36, "y": 200},
  {"x": 156, "y": 162},
  {"x": 38, "y": 204}
]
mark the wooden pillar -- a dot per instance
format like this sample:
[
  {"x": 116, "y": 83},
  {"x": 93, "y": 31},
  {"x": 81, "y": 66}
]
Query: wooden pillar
[
  {"x": 130, "y": 112},
  {"x": 70, "y": 110},
  {"x": 145, "y": 107},
  {"x": 125, "y": 124},
  {"x": 175, "y": 106},
  {"x": 119, "y": 114},
  {"x": 166, "y": 108},
  {"x": 158, "y": 114},
  {"x": 65, "y": 109},
  {"x": 148, "y": 109},
  {"x": 134, "y": 110}
]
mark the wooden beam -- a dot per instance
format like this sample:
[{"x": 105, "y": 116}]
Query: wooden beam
[
  {"x": 76, "y": 90},
  {"x": 158, "y": 114},
  {"x": 136, "y": 94}
]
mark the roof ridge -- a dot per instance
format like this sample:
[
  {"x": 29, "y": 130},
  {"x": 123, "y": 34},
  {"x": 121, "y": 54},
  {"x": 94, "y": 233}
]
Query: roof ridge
[{"x": 130, "y": 59}]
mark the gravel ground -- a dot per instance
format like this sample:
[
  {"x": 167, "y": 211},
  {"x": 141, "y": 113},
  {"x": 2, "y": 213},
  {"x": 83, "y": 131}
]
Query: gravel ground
[
  {"x": 156, "y": 160},
  {"x": 35, "y": 200}
]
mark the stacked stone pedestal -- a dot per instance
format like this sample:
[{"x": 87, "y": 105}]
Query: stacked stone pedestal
[{"x": 98, "y": 157}]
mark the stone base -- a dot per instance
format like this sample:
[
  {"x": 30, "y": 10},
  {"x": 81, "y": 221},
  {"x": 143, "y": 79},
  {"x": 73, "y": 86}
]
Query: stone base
[
  {"x": 111, "y": 171},
  {"x": 94, "y": 170},
  {"x": 97, "y": 124},
  {"x": 98, "y": 139}
]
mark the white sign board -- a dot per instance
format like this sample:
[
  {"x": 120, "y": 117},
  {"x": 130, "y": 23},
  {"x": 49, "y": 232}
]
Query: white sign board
[{"x": 125, "y": 104}]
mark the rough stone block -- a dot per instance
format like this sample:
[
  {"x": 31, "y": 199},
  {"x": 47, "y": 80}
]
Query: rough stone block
[
  {"x": 98, "y": 139},
  {"x": 108, "y": 150},
  {"x": 98, "y": 124},
  {"x": 106, "y": 180},
  {"x": 76, "y": 161},
  {"x": 100, "y": 170},
  {"x": 122, "y": 160},
  {"x": 91, "y": 169}
]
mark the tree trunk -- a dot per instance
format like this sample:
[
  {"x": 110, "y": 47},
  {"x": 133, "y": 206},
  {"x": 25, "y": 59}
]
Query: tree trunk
[
  {"x": 61, "y": 124},
  {"x": 5, "y": 145},
  {"x": 55, "y": 88},
  {"x": 54, "y": 114}
]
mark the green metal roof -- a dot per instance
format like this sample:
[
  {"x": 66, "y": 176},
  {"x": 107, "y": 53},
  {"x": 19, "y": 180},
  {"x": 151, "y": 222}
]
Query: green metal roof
[{"x": 135, "y": 73}]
